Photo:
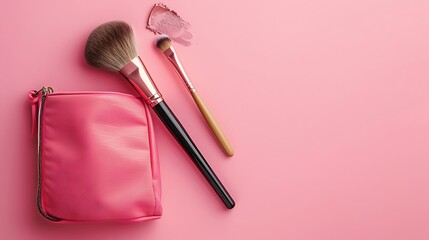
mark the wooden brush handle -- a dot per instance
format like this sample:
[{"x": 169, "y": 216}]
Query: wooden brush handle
[{"x": 213, "y": 124}]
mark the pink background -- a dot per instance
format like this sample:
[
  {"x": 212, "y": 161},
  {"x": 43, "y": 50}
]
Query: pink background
[{"x": 326, "y": 104}]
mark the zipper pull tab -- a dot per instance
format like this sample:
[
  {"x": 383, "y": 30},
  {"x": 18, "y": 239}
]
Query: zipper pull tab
[
  {"x": 47, "y": 90},
  {"x": 34, "y": 97}
]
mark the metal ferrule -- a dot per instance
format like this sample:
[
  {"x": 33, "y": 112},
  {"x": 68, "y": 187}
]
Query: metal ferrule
[
  {"x": 171, "y": 54},
  {"x": 139, "y": 77}
]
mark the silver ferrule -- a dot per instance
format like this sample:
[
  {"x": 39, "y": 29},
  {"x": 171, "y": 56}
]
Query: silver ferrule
[
  {"x": 171, "y": 54},
  {"x": 139, "y": 77}
]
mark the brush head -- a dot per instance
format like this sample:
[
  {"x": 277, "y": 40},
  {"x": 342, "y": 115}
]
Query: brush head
[
  {"x": 164, "y": 43},
  {"x": 111, "y": 46}
]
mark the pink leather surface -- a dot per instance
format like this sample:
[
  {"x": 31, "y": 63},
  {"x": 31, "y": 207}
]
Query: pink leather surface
[
  {"x": 325, "y": 102},
  {"x": 96, "y": 159}
]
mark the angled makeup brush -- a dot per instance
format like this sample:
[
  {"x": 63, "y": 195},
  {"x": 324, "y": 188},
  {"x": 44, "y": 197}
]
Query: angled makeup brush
[
  {"x": 111, "y": 46},
  {"x": 165, "y": 45}
]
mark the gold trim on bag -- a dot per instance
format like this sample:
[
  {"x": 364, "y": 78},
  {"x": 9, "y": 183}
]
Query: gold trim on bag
[{"x": 45, "y": 91}]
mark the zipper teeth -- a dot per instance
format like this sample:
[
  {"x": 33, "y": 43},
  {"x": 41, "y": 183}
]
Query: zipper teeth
[{"x": 45, "y": 92}]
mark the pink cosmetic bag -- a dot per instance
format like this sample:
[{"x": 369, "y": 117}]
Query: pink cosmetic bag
[{"x": 97, "y": 157}]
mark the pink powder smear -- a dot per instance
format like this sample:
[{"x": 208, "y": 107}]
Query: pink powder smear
[{"x": 163, "y": 20}]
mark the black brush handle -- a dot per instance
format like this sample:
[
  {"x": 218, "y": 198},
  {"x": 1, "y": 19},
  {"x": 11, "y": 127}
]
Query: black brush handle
[{"x": 177, "y": 130}]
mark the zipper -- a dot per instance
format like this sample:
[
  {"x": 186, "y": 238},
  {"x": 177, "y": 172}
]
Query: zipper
[{"x": 44, "y": 91}]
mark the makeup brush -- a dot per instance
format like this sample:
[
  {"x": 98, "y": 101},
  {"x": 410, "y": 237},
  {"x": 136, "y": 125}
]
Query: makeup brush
[
  {"x": 165, "y": 45},
  {"x": 111, "y": 46}
]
